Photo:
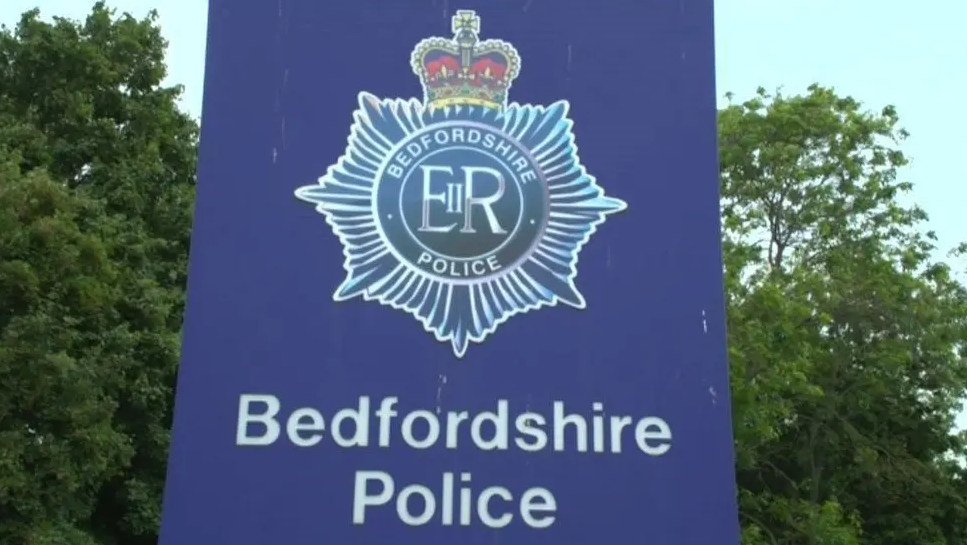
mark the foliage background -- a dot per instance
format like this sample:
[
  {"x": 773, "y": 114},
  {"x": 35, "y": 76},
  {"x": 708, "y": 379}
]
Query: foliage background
[{"x": 846, "y": 333}]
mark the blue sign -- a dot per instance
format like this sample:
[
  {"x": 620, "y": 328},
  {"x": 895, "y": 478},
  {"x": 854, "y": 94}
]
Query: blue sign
[{"x": 418, "y": 315}]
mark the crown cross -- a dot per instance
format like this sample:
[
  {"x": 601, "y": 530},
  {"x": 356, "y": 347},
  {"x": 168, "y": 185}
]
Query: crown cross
[{"x": 465, "y": 20}]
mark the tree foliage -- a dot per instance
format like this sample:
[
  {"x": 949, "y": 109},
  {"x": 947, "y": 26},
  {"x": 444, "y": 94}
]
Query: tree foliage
[
  {"x": 846, "y": 333},
  {"x": 846, "y": 336},
  {"x": 96, "y": 186}
]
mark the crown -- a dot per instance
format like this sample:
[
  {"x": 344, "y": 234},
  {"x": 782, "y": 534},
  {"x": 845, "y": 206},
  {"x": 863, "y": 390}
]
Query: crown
[{"x": 465, "y": 70}]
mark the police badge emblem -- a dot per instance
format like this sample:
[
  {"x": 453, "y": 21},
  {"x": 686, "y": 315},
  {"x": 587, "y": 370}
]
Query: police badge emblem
[{"x": 462, "y": 209}]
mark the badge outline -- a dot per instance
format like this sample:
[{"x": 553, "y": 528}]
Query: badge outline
[{"x": 597, "y": 207}]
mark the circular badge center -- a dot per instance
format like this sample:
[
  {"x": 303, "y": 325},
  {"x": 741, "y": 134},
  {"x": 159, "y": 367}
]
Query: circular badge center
[{"x": 461, "y": 202}]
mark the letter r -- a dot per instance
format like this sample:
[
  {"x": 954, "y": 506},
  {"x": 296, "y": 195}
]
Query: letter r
[{"x": 487, "y": 203}]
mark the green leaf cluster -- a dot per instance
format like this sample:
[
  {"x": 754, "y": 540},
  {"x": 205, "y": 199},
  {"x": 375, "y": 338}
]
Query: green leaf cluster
[
  {"x": 96, "y": 189},
  {"x": 847, "y": 337}
]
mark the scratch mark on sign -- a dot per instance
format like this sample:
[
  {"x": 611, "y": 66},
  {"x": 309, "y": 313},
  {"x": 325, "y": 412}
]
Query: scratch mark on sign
[
  {"x": 441, "y": 382},
  {"x": 711, "y": 391},
  {"x": 704, "y": 323},
  {"x": 280, "y": 95}
]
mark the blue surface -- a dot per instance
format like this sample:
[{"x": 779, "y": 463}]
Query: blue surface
[{"x": 282, "y": 82}]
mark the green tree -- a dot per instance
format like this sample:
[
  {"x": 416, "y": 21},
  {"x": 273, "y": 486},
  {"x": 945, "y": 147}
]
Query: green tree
[
  {"x": 847, "y": 338},
  {"x": 57, "y": 295},
  {"x": 95, "y": 199}
]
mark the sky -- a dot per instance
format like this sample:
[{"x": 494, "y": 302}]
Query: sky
[{"x": 908, "y": 54}]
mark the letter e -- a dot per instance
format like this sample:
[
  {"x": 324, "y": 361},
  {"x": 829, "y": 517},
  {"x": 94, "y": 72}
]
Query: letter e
[
  {"x": 305, "y": 419},
  {"x": 653, "y": 436},
  {"x": 538, "y": 500}
]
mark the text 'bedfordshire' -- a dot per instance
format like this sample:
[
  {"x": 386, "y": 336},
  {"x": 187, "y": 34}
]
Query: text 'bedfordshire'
[{"x": 263, "y": 421}]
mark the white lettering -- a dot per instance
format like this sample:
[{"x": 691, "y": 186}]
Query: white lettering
[
  {"x": 453, "y": 427},
  {"x": 305, "y": 419},
  {"x": 385, "y": 414},
  {"x": 360, "y": 419},
  {"x": 455, "y": 501},
  {"x": 561, "y": 421},
  {"x": 486, "y": 203},
  {"x": 496, "y": 147},
  {"x": 499, "y": 422},
  {"x": 653, "y": 430},
  {"x": 362, "y": 500},
  {"x": 483, "y": 507},
  {"x": 260, "y": 423},
  {"x": 530, "y": 426},
  {"x": 597, "y": 425},
  {"x": 266, "y": 419},
  {"x": 432, "y": 434},
  {"x": 403, "y": 505},
  {"x": 459, "y": 269},
  {"x": 538, "y": 500},
  {"x": 417, "y": 505},
  {"x": 618, "y": 423},
  {"x": 429, "y": 197}
]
